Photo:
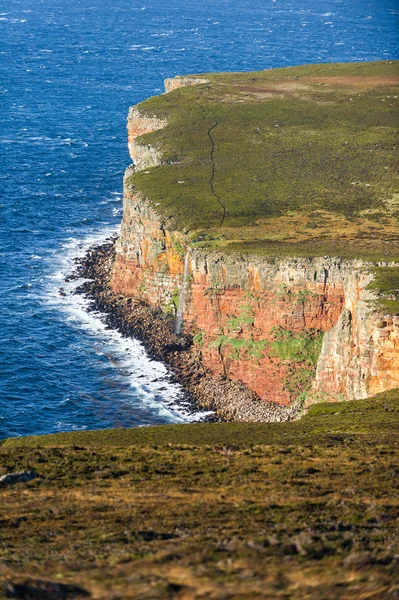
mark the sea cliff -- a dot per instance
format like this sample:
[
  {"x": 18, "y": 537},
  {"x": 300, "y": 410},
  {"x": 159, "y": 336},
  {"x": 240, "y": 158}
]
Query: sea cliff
[
  {"x": 291, "y": 328},
  {"x": 262, "y": 320}
]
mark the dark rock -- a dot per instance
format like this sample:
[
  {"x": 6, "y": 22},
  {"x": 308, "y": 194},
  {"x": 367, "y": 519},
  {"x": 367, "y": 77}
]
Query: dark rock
[
  {"x": 44, "y": 590},
  {"x": 20, "y": 477},
  {"x": 150, "y": 535}
]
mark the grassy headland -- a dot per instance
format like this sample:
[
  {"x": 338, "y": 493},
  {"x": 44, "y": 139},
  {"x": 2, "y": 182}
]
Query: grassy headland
[
  {"x": 299, "y": 154},
  {"x": 300, "y": 161},
  {"x": 232, "y": 510}
]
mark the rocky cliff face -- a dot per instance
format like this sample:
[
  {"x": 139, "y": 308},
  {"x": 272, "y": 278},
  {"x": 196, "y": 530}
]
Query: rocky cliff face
[
  {"x": 360, "y": 354},
  {"x": 178, "y": 82},
  {"x": 138, "y": 124},
  {"x": 283, "y": 326}
]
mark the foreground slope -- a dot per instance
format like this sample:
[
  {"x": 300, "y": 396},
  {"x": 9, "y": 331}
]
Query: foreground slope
[{"x": 301, "y": 510}]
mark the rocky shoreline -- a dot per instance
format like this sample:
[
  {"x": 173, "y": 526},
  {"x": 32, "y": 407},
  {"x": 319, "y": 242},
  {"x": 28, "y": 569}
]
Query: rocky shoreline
[{"x": 230, "y": 400}]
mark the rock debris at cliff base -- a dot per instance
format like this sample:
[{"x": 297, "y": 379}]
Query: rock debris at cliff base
[{"x": 231, "y": 400}]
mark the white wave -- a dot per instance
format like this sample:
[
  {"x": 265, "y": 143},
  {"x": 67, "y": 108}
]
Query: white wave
[
  {"x": 69, "y": 426},
  {"x": 117, "y": 197},
  {"x": 149, "y": 380},
  {"x": 12, "y": 20}
]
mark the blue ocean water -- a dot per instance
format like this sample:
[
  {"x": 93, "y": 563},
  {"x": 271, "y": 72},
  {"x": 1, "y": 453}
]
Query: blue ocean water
[{"x": 69, "y": 70}]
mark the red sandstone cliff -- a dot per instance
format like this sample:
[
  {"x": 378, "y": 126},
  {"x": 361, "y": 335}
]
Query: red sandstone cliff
[{"x": 259, "y": 320}]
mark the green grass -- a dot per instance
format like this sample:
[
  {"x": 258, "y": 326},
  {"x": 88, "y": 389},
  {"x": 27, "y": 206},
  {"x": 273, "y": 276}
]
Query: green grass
[
  {"x": 307, "y": 509},
  {"x": 365, "y": 249},
  {"x": 386, "y": 284},
  {"x": 285, "y": 144},
  {"x": 365, "y": 69}
]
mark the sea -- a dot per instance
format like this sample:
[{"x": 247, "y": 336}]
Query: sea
[{"x": 69, "y": 70}]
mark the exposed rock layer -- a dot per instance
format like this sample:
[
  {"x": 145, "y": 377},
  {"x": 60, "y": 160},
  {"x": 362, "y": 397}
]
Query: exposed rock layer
[
  {"x": 143, "y": 156},
  {"x": 360, "y": 354},
  {"x": 177, "y": 82}
]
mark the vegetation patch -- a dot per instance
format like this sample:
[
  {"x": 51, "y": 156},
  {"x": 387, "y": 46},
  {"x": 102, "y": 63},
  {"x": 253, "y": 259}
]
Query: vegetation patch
[
  {"x": 198, "y": 338},
  {"x": 171, "y": 307},
  {"x": 386, "y": 285},
  {"x": 230, "y": 342},
  {"x": 243, "y": 320},
  {"x": 299, "y": 350},
  {"x": 296, "y": 346},
  {"x": 249, "y": 348}
]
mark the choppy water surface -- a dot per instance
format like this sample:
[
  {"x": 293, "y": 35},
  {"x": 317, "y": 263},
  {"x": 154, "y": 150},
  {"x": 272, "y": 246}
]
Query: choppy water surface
[{"x": 69, "y": 71}]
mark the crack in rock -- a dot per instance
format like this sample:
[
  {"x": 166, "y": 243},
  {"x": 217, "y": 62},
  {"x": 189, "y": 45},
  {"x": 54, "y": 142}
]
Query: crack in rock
[{"x": 211, "y": 181}]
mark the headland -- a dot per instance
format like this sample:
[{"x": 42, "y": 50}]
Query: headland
[{"x": 260, "y": 213}]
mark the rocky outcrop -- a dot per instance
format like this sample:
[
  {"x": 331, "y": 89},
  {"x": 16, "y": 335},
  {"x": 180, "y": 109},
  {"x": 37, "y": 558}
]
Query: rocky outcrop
[
  {"x": 230, "y": 400},
  {"x": 20, "y": 477},
  {"x": 282, "y": 326},
  {"x": 146, "y": 155},
  {"x": 142, "y": 155},
  {"x": 149, "y": 261},
  {"x": 178, "y": 82}
]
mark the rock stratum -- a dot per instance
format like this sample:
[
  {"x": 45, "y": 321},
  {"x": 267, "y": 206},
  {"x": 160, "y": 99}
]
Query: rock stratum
[{"x": 294, "y": 322}]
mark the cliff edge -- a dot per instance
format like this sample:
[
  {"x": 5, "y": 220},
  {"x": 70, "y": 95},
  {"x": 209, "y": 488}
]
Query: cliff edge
[{"x": 261, "y": 211}]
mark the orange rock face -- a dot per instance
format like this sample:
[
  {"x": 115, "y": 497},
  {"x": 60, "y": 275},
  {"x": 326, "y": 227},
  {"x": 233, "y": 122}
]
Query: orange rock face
[
  {"x": 149, "y": 259},
  {"x": 360, "y": 354},
  {"x": 227, "y": 309},
  {"x": 233, "y": 304}
]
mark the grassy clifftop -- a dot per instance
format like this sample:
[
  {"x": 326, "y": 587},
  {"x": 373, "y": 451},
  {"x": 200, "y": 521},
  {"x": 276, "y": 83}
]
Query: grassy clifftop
[
  {"x": 292, "y": 510},
  {"x": 296, "y": 161}
]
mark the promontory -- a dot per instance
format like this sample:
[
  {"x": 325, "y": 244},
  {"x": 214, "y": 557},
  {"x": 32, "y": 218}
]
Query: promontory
[{"x": 260, "y": 226}]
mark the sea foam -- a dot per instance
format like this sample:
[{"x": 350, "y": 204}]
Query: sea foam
[{"x": 151, "y": 383}]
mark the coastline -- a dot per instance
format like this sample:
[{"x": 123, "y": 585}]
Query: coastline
[{"x": 228, "y": 400}]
